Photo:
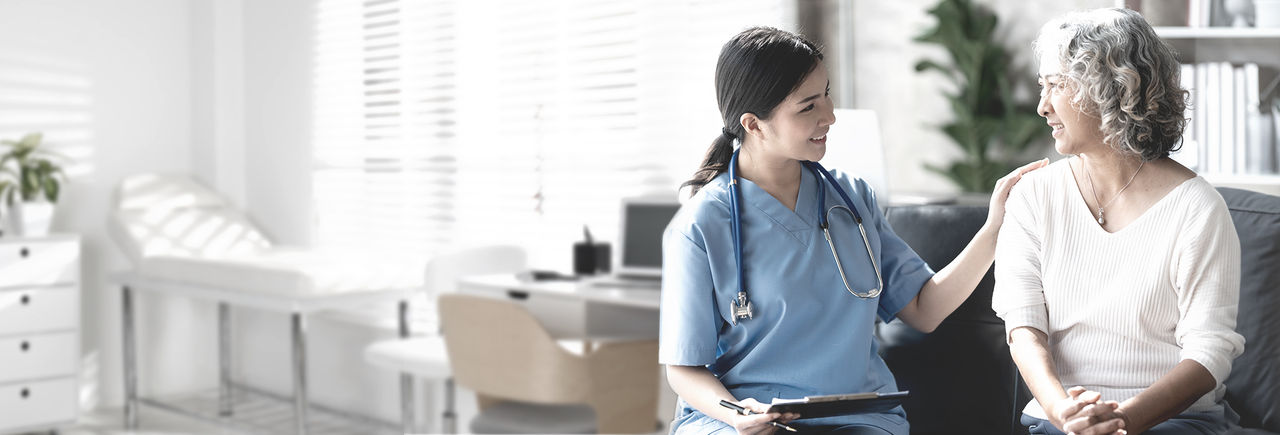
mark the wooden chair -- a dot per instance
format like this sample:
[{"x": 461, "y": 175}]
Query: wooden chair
[
  {"x": 527, "y": 383},
  {"x": 423, "y": 356}
]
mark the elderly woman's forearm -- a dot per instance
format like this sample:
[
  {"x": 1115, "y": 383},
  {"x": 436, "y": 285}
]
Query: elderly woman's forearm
[{"x": 1169, "y": 396}]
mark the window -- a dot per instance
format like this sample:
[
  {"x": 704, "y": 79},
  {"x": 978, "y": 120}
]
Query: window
[{"x": 448, "y": 122}]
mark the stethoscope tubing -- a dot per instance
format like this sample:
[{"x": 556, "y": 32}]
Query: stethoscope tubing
[{"x": 741, "y": 307}]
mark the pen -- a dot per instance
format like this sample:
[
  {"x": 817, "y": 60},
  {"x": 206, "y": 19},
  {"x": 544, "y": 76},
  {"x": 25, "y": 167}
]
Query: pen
[{"x": 745, "y": 411}]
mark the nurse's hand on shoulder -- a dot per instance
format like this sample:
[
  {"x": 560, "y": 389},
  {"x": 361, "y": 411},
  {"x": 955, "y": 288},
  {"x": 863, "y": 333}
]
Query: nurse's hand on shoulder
[
  {"x": 758, "y": 423},
  {"x": 995, "y": 215}
]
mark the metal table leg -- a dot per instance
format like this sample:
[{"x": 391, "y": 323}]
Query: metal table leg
[
  {"x": 299, "y": 374},
  {"x": 224, "y": 360},
  {"x": 449, "y": 424},
  {"x": 130, "y": 360},
  {"x": 407, "y": 422}
]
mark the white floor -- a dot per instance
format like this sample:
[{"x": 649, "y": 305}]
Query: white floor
[
  {"x": 109, "y": 421},
  {"x": 156, "y": 422}
]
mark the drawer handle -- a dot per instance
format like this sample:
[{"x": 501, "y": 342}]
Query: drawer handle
[
  {"x": 26, "y": 299},
  {"x": 26, "y": 393},
  {"x": 24, "y": 252},
  {"x": 517, "y": 295},
  {"x": 25, "y": 346}
]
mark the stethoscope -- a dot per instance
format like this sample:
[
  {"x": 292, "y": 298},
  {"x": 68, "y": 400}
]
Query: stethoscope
[{"x": 740, "y": 307}]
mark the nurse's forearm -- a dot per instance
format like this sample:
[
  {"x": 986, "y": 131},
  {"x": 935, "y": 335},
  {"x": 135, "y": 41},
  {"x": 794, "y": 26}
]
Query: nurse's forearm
[
  {"x": 702, "y": 390},
  {"x": 949, "y": 288}
]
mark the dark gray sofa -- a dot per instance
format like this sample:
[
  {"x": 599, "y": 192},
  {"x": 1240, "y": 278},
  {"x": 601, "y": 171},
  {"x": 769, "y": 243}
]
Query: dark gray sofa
[{"x": 962, "y": 379}]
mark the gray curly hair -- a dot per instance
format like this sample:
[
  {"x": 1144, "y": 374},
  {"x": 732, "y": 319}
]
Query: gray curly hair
[{"x": 1123, "y": 73}]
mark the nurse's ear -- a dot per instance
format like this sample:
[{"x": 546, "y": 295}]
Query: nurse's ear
[{"x": 753, "y": 125}]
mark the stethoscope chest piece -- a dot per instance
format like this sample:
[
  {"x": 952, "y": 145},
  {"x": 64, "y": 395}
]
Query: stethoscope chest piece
[{"x": 740, "y": 308}]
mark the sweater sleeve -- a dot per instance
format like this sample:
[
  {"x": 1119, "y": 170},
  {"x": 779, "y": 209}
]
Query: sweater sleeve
[
  {"x": 1018, "y": 297},
  {"x": 1208, "y": 290}
]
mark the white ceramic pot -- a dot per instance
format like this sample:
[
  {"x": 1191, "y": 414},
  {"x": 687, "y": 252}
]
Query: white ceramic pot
[{"x": 31, "y": 219}]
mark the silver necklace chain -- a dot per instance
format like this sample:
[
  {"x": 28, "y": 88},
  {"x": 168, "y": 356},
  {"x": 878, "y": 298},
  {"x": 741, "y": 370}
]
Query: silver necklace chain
[{"x": 1101, "y": 220}]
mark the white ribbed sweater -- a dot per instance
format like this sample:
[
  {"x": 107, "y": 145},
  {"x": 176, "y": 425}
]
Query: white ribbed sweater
[{"x": 1121, "y": 309}]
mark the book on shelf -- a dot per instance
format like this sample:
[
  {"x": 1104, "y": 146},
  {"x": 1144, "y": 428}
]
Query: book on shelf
[
  {"x": 1189, "y": 154},
  {"x": 1230, "y": 130}
]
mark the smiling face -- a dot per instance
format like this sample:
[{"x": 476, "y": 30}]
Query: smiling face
[
  {"x": 1074, "y": 130},
  {"x": 797, "y": 128}
]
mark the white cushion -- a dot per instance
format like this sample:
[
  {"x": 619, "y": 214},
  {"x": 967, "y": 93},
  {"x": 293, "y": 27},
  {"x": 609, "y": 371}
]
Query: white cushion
[
  {"x": 288, "y": 272},
  {"x": 166, "y": 214},
  {"x": 195, "y": 231},
  {"x": 152, "y": 191},
  {"x": 424, "y": 357}
]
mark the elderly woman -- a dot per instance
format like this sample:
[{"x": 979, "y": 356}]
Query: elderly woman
[{"x": 1117, "y": 269}]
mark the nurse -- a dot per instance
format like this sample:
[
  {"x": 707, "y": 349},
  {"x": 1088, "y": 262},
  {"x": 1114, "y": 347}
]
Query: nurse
[{"x": 810, "y": 325}]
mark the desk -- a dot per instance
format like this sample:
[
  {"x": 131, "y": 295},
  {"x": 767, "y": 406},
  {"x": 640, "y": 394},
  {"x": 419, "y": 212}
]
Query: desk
[{"x": 577, "y": 310}]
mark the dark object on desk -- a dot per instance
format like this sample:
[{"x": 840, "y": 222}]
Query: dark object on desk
[
  {"x": 962, "y": 375},
  {"x": 843, "y": 404},
  {"x": 589, "y": 257}
]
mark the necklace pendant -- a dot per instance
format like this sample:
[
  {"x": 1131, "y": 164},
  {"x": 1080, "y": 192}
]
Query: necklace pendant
[{"x": 1101, "y": 221}]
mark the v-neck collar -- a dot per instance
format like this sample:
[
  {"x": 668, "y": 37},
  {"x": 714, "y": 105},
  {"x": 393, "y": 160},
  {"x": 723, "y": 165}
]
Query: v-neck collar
[
  {"x": 1082, "y": 206},
  {"x": 794, "y": 221}
]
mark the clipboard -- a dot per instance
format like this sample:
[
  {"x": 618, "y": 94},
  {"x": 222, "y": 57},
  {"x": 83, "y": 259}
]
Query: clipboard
[{"x": 839, "y": 404}]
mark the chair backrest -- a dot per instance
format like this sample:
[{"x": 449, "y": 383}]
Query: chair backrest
[
  {"x": 1253, "y": 388},
  {"x": 497, "y": 348},
  {"x": 167, "y": 214},
  {"x": 976, "y": 384},
  {"x": 444, "y": 270},
  {"x": 854, "y": 146}
]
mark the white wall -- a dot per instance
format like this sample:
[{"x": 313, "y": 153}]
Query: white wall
[
  {"x": 111, "y": 83},
  {"x": 911, "y": 104},
  {"x": 278, "y": 54}
]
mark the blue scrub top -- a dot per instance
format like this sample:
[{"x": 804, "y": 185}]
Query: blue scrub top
[{"x": 809, "y": 335}]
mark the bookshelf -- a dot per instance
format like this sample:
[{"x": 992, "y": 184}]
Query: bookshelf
[
  {"x": 1229, "y": 67},
  {"x": 1175, "y": 33}
]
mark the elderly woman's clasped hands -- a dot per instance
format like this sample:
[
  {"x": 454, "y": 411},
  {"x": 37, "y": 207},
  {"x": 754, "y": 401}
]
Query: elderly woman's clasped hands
[{"x": 1083, "y": 412}]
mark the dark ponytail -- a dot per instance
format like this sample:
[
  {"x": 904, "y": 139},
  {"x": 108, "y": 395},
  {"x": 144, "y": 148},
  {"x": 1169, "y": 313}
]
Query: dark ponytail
[
  {"x": 715, "y": 162},
  {"x": 757, "y": 69}
]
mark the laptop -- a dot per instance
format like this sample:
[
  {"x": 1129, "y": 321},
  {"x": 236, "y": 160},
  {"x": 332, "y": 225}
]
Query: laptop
[{"x": 638, "y": 260}]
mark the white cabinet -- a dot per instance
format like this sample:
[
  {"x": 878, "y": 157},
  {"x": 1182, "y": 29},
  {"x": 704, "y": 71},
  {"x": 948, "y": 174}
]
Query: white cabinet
[{"x": 39, "y": 332}]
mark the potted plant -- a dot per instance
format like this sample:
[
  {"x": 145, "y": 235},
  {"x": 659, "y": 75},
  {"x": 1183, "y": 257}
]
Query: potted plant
[
  {"x": 989, "y": 126},
  {"x": 30, "y": 182}
]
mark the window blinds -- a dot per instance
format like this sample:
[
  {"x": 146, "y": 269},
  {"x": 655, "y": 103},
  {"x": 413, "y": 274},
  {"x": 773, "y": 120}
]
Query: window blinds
[{"x": 447, "y": 122}]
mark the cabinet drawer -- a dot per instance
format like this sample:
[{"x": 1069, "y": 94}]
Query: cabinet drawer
[
  {"x": 35, "y": 356},
  {"x": 34, "y": 404},
  {"x": 33, "y": 262},
  {"x": 39, "y": 309}
]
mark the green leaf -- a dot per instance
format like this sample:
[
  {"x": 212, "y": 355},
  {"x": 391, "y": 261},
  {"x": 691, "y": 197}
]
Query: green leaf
[
  {"x": 51, "y": 189},
  {"x": 32, "y": 173},
  {"x": 926, "y": 65},
  {"x": 990, "y": 125},
  {"x": 31, "y": 140},
  {"x": 1021, "y": 130}
]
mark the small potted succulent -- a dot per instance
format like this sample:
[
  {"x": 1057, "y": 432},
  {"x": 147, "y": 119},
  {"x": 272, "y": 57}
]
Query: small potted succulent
[{"x": 30, "y": 182}]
